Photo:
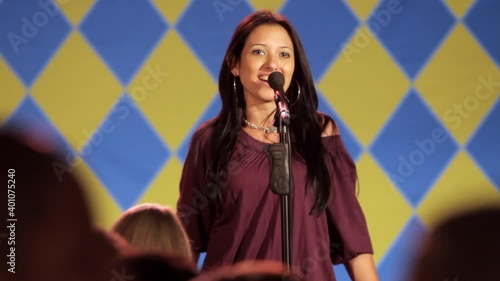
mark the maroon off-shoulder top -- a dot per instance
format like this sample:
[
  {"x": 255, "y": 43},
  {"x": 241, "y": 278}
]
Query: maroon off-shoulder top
[{"x": 249, "y": 225}]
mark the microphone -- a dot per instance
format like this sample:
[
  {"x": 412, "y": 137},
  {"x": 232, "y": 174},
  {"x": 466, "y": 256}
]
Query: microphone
[{"x": 276, "y": 80}]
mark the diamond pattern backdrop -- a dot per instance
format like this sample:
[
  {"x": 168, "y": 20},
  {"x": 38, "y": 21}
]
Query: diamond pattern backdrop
[{"x": 121, "y": 86}]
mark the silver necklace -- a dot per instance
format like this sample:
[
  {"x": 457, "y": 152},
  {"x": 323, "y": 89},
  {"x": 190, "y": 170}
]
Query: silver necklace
[{"x": 266, "y": 130}]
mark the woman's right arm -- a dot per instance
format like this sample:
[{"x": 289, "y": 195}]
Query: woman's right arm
[{"x": 193, "y": 205}]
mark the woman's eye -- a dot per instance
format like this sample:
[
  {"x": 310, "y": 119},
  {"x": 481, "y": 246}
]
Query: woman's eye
[
  {"x": 285, "y": 54},
  {"x": 258, "y": 52}
]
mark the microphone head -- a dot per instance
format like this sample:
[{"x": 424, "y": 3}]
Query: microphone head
[{"x": 276, "y": 80}]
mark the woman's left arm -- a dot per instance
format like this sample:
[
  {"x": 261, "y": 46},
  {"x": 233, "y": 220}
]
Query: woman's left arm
[
  {"x": 362, "y": 268},
  {"x": 346, "y": 221}
]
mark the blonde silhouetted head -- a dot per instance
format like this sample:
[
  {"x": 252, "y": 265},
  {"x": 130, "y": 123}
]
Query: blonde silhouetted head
[{"x": 153, "y": 227}]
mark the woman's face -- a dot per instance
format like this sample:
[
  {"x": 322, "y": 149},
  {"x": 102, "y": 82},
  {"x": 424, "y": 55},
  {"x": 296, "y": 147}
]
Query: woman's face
[{"x": 268, "y": 48}]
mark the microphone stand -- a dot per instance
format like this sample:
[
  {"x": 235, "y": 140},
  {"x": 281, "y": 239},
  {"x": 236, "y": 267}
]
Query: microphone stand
[{"x": 281, "y": 179}]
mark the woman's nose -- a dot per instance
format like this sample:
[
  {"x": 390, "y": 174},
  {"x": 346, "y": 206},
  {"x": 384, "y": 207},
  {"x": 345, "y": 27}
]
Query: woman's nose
[{"x": 272, "y": 63}]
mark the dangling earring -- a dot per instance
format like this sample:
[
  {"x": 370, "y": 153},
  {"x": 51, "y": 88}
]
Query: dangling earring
[
  {"x": 234, "y": 88},
  {"x": 298, "y": 93}
]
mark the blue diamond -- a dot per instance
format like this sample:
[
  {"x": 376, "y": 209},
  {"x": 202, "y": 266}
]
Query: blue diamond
[
  {"x": 411, "y": 31},
  {"x": 341, "y": 273},
  {"x": 211, "y": 111},
  {"x": 201, "y": 260},
  {"x": 30, "y": 120},
  {"x": 207, "y": 27},
  {"x": 413, "y": 148},
  {"x": 484, "y": 145},
  {"x": 482, "y": 19},
  {"x": 125, "y": 153},
  {"x": 353, "y": 146},
  {"x": 323, "y": 26},
  {"x": 31, "y": 33},
  {"x": 123, "y": 33},
  {"x": 396, "y": 264}
]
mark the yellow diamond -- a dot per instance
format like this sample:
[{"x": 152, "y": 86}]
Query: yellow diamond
[
  {"x": 165, "y": 188},
  {"x": 75, "y": 10},
  {"x": 362, "y": 8},
  {"x": 273, "y": 5},
  {"x": 11, "y": 91},
  {"x": 460, "y": 83},
  {"x": 171, "y": 9},
  {"x": 459, "y": 7},
  {"x": 76, "y": 90},
  {"x": 172, "y": 89},
  {"x": 385, "y": 220},
  {"x": 364, "y": 85},
  {"x": 462, "y": 187}
]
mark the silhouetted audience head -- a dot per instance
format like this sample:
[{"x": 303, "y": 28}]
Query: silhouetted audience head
[
  {"x": 464, "y": 247},
  {"x": 49, "y": 218},
  {"x": 250, "y": 271},
  {"x": 153, "y": 227},
  {"x": 153, "y": 266}
]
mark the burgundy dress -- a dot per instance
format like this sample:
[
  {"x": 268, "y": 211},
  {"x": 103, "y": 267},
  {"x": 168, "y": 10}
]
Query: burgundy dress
[{"x": 249, "y": 225}]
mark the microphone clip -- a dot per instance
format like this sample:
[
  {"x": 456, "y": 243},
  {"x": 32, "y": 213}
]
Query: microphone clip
[{"x": 282, "y": 111}]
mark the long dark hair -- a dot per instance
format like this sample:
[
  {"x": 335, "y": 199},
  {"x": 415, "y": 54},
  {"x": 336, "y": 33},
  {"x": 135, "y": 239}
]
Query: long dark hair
[{"x": 307, "y": 124}]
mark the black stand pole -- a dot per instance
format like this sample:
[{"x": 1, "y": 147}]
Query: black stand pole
[{"x": 281, "y": 183}]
